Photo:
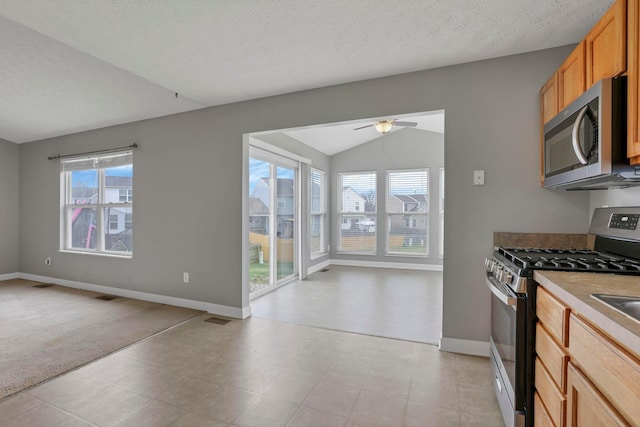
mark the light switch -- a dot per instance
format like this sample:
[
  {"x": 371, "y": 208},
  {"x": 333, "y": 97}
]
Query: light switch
[{"x": 478, "y": 177}]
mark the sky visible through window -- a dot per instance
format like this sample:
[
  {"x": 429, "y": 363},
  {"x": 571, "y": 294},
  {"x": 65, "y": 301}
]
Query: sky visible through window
[
  {"x": 259, "y": 169},
  {"x": 88, "y": 178}
]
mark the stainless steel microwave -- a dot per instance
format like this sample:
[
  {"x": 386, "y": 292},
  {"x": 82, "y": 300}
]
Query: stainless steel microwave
[{"x": 585, "y": 144}]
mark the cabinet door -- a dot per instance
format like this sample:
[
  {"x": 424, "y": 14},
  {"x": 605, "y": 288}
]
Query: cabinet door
[
  {"x": 571, "y": 77},
  {"x": 548, "y": 110},
  {"x": 606, "y": 45},
  {"x": 586, "y": 406},
  {"x": 549, "y": 99},
  {"x": 633, "y": 83},
  {"x": 612, "y": 369}
]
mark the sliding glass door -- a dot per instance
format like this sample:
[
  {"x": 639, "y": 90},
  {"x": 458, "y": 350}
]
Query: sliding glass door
[{"x": 273, "y": 219}]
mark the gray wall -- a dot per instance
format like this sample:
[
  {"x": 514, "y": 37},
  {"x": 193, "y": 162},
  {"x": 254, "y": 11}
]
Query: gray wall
[
  {"x": 403, "y": 149},
  {"x": 189, "y": 177},
  {"x": 617, "y": 197},
  {"x": 9, "y": 204}
]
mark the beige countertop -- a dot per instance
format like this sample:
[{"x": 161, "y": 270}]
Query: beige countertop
[{"x": 575, "y": 290}]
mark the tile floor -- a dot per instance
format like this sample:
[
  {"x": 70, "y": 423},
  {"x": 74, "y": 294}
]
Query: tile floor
[
  {"x": 258, "y": 372},
  {"x": 349, "y": 299}
]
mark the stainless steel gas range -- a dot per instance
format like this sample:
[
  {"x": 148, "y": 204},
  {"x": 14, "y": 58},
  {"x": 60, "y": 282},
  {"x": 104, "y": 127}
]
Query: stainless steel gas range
[{"x": 509, "y": 276}]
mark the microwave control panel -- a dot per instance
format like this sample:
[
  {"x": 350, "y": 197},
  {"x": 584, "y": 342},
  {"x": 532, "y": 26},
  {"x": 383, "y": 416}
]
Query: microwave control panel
[{"x": 624, "y": 221}]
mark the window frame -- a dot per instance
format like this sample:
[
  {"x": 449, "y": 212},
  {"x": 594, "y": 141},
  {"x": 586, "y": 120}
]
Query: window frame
[
  {"x": 341, "y": 214},
  {"x": 322, "y": 213},
  {"x": 441, "y": 178},
  {"x": 412, "y": 218},
  {"x": 103, "y": 220}
]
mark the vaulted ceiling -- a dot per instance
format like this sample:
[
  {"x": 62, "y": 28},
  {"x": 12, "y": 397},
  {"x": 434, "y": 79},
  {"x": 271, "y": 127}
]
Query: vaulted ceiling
[{"x": 68, "y": 66}]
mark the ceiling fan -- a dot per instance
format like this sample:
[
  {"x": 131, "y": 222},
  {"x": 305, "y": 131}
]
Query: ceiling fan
[{"x": 384, "y": 126}]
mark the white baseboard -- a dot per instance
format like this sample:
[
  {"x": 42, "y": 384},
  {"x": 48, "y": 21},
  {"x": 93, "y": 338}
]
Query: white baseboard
[
  {"x": 381, "y": 264},
  {"x": 221, "y": 310},
  {"x": 9, "y": 276},
  {"x": 474, "y": 348},
  {"x": 319, "y": 266}
]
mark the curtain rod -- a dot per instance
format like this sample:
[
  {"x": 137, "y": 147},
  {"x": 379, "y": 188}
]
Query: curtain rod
[{"x": 108, "y": 150}]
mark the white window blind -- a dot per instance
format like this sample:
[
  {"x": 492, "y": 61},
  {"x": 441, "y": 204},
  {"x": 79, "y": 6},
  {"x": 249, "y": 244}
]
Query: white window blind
[
  {"x": 318, "y": 212},
  {"x": 408, "y": 212},
  {"x": 357, "y": 212},
  {"x": 96, "y": 218}
]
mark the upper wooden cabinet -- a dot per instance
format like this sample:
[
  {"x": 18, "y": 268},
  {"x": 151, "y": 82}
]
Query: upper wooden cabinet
[
  {"x": 572, "y": 77},
  {"x": 606, "y": 45},
  {"x": 633, "y": 83},
  {"x": 549, "y": 99},
  {"x": 610, "y": 49}
]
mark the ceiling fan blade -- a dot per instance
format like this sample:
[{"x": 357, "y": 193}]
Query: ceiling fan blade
[
  {"x": 362, "y": 127},
  {"x": 411, "y": 124}
]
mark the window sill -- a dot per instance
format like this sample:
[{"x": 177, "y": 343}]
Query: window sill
[
  {"x": 357, "y": 253},
  {"x": 100, "y": 254},
  {"x": 407, "y": 255},
  {"x": 318, "y": 255}
]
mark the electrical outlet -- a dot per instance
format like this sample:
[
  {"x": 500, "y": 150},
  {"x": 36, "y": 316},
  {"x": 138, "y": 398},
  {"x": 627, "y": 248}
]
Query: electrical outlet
[
  {"x": 185, "y": 277},
  {"x": 478, "y": 177},
  {"x": 47, "y": 260}
]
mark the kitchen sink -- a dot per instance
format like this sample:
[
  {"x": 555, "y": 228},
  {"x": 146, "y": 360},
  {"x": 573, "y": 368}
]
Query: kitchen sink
[{"x": 624, "y": 304}]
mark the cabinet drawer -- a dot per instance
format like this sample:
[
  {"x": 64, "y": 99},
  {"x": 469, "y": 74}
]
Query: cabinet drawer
[
  {"x": 541, "y": 417},
  {"x": 553, "y": 357},
  {"x": 610, "y": 368},
  {"x": 553, "y": 315},
  {"x": 553, "y": 399}
]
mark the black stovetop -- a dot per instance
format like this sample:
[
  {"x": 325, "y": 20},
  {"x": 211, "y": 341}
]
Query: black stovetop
[{"x": 579, "y": 260}]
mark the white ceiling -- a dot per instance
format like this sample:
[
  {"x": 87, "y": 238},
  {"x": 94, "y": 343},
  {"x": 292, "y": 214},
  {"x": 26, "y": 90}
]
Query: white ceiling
[{"x": 69, "y": 66}]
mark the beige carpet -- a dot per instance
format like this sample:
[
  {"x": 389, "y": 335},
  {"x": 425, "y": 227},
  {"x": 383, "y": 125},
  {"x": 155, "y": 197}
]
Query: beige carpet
[{"x": 47, "y": 331}]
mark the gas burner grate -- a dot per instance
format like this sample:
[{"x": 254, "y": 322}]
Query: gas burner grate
[{"x": 569, "y": 260}]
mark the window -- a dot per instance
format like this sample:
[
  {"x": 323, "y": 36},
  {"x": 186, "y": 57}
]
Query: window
[
  {"x": 318, "y": 212},
  {"x": 408, "y": 212},
  {"x": 113, "y": 222},
  {"x": 126, "y": 195},
  {"x": 97, "y": 211},
  {"x": 357, "y": 211},
  {"x": 441, "y": 225}
]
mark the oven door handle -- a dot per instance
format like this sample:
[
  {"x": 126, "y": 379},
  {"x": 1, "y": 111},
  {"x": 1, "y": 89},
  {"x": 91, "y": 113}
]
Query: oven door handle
[{"x": 506, "y": 299}]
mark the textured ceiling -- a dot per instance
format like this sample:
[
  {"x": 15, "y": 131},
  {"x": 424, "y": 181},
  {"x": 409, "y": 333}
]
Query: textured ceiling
[{"x": 69, "y": 66}]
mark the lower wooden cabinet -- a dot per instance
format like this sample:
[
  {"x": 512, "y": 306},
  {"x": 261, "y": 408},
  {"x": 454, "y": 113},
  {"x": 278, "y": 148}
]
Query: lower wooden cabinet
[
  {"x": 554, "y": 400},
  {"x": 542, "y": 418},
  {"x": 586, "y": 405},
  {"x": 591, "y": 382}
]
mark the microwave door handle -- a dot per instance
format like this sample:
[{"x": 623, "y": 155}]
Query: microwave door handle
[
  {"x": 506, "y": 299},
  {"x": 575, "y": 136}
]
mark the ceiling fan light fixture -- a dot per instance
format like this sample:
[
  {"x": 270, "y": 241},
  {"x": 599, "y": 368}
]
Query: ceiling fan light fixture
[{"x": 383, "y": 126}]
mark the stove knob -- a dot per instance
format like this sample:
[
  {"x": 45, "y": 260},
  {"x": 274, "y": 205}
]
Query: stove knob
[
  {"x": 498, "y": 274},
  {"x": 488, "y": 264},
  {"x": 507, "y": 278}
]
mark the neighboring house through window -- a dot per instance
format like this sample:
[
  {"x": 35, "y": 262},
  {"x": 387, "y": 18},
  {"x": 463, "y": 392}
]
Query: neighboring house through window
[
  {"x": 97, "y": 210},
  {"x": 408, "y": 212},
  {"x": 357, "y": 232}
]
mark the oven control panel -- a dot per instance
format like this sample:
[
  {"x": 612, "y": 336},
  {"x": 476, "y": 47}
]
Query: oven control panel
[{"x": 624, "y": 221}]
